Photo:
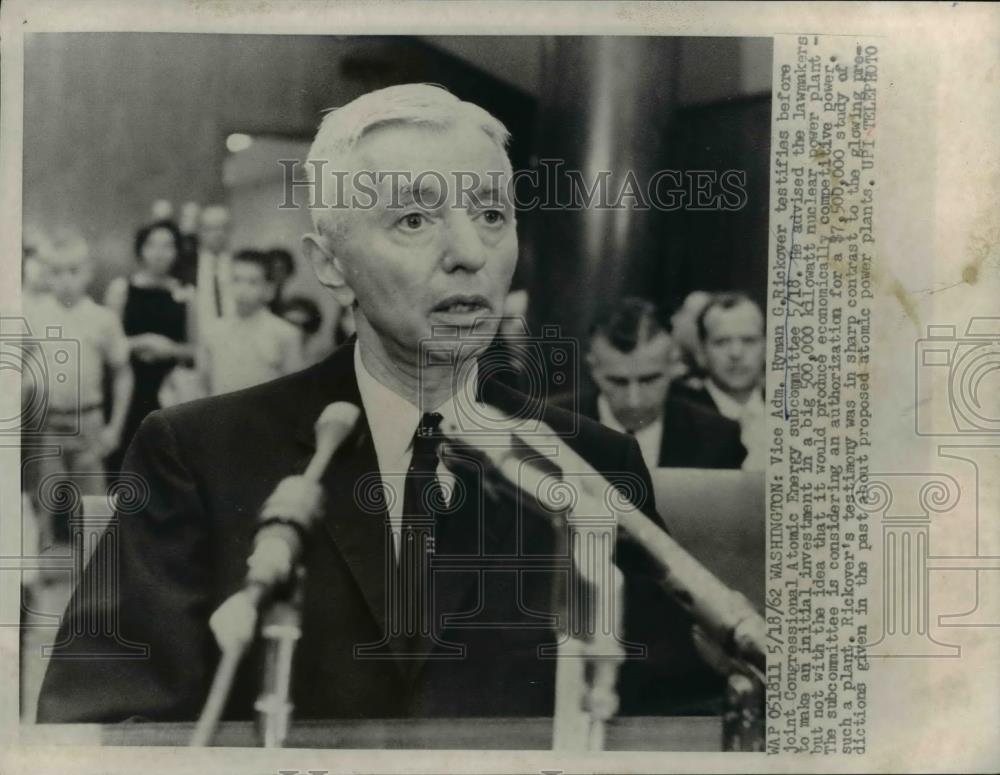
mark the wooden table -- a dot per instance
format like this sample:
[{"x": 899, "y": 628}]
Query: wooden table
[{"x": 683, "y": 733}]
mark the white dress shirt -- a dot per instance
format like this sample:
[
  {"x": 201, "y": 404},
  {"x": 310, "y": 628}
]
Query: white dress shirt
[
  {"x": 213, "y": 274},
  {"x": 752, "y": 419},
  {"x": 393, "y": 421},
  {"x": 649, "y": 437}
]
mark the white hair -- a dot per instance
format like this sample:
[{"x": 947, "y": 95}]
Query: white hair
[{"x": 418, "y": 104}]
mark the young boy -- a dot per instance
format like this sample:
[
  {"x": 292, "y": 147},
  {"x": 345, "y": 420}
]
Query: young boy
[
  {"x": 251, "y": 345},
  {"x": 76, "y": 339}
]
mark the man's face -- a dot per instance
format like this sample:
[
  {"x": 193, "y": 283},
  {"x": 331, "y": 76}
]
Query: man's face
[
  {"x": 190, "y": 215},
  {"x": 251, "y": 289},
  {"x": 68, "y": 274},
  {"x": 635, "y": 384},
  {"x": 429, "y": 258},
  {"x": 734, "y": 347},
  {"x": 214, "y": 231}
]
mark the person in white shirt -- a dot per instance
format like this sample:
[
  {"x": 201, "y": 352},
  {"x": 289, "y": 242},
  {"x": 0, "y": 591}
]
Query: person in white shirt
[
  {"x": 76, "y": 339},
  {"x": 633, "y": 374},
  {"x": 731, "y": 331},
  {"x": 251, "y": 345}
]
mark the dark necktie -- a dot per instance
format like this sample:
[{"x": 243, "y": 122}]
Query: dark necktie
[
  {"x": 422, "y": 496},
  {"x": 217, "y": 285},
  {"x": 422, "y": 492}
]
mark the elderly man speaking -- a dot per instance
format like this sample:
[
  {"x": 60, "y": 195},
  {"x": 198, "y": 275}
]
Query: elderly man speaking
[{"x": 414, "y": 229}]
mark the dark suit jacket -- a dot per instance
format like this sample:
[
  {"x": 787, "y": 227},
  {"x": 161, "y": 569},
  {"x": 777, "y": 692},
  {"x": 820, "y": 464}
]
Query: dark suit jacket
[
  {"x": 185, "y": 266},
  {"x": 693, "y": 436},
  {"x": 693, "y": 394},
  {"x": 210, "y": 464},
  {"x": 697, "y": 394}
]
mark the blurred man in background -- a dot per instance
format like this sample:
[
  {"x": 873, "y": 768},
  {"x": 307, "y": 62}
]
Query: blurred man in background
[
  {"x": 185, "y": 267},
  {"x": 731, "y": 332},
  {"x": 212, "y": 278},
  {"x": 632, "y": 360}
]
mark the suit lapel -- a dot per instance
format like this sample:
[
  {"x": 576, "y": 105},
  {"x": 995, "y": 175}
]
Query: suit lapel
[
  {"x": 356, "y": 517},
  {"x": 665, "y": 436},
  {"x": 678, "y": 446},
  {"x": 461, "y": 531}
]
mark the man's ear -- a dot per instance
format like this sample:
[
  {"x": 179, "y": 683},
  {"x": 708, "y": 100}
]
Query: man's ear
[{"x": 328, "y": 267}]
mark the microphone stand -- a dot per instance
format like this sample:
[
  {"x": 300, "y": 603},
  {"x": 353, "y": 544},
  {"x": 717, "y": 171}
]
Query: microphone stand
[
  {"x": 281, "y": 629},
  {"x": 273, "y": 567},
  {"x": 589, "y": 653}
]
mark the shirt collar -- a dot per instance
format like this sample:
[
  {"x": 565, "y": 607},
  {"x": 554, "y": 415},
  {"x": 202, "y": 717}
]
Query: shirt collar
[
  {"x": 729, "y": 406},
  {"x": 391, "y": 418},
  {"x": 648, "y": 437}
]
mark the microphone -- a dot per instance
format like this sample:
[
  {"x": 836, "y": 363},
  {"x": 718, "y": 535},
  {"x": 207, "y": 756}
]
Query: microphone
[
  {"x": 284, "y": 523},
  {"x": 722, "y": 612},
  {"x": 285, "y": 520},
  {"x": 296, "y": 503}
]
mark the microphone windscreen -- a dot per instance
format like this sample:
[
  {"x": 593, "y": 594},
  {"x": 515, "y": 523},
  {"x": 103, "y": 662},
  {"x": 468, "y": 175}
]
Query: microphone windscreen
[
  {"x": 335, "y": 423},
  {"x": 333, "y": 426}
]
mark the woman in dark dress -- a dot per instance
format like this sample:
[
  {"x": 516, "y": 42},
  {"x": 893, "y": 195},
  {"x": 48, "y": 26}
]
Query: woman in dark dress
[{"x": 155, "y": 311}]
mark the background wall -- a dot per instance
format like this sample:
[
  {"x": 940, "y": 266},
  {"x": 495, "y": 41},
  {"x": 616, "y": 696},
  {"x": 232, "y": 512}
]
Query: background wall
[{"x": 114, "y": 121}]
